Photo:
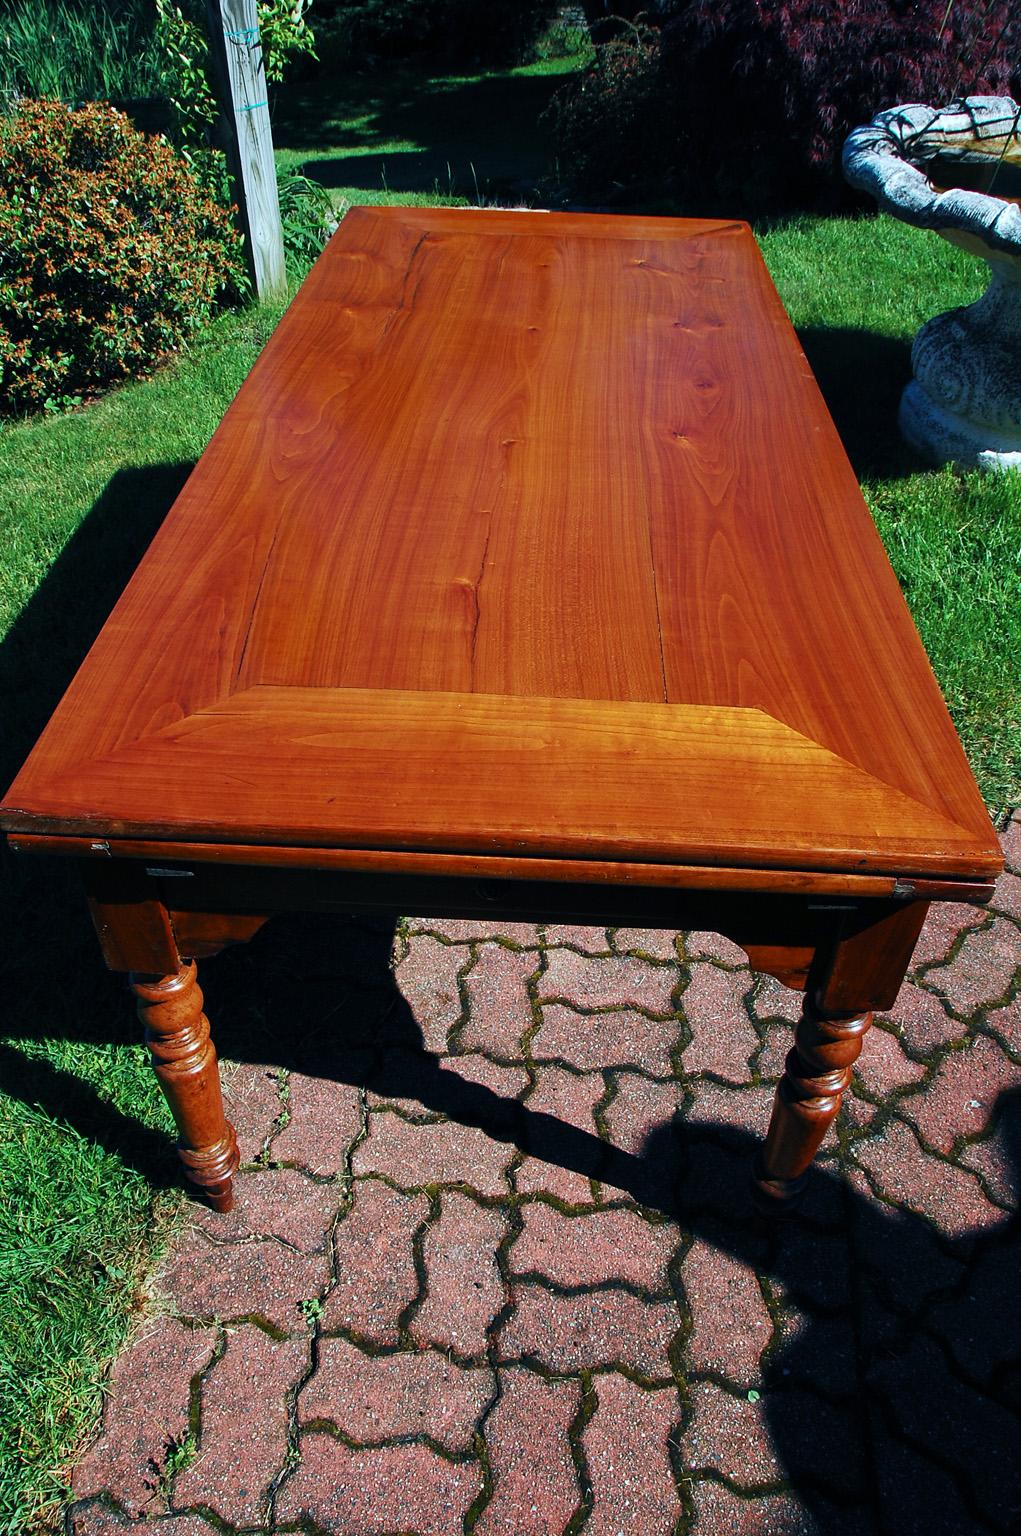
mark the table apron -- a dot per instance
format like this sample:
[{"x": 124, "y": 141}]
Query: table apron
[{"x": 853, "y": 949}]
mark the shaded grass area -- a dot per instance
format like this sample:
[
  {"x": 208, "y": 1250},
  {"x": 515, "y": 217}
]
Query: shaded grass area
[
  {"x": 88, "y": 1174},
  {"x": 401, "y": 136}
]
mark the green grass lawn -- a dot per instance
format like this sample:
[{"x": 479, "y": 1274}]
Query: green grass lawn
[{"x": 87, "y": 1175}]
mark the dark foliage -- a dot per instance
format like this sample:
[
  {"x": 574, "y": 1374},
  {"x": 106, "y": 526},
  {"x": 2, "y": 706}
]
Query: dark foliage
[
  {"x": 456, "y": 33},
  {"x": 612, "y": 125},
  {"x": 752, "y": 99}
]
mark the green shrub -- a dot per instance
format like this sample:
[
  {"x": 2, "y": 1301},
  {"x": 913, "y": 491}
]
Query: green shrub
[
  {"x": 565, "y": 37},
  {"x": 110, "y": 252},
  {"x": 307, "y": 219}
]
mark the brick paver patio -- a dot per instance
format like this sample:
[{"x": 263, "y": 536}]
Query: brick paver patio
[{"x": 493, "y": 1266}]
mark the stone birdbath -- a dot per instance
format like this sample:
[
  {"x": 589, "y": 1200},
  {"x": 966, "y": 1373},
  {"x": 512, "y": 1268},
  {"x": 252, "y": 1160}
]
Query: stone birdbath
[{"x": 957, "y": 170}]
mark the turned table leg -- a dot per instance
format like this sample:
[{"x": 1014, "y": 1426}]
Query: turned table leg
[
  {"x": 177, "y": 1034},
  {"x": 817, "y": 1070},
  {"x": 860, "y": 968}
]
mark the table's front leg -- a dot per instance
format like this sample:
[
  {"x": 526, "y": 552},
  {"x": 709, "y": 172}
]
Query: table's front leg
[
  {"x": 817, "y": 1070},
  {"x": 861, "y": 969},
  {"x": 137, "y": 936},
  {"x": 184, "y": 1059}
]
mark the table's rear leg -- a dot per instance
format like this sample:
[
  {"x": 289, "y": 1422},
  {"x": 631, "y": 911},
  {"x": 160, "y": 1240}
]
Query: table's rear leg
[
  {"x": 184, "y": 1059},
  {"x": 861, "y": 969},
  {"x": 137, "y": 936}
]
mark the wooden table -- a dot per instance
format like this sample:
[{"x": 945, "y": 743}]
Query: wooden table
[{"x": 526, "y": 575}]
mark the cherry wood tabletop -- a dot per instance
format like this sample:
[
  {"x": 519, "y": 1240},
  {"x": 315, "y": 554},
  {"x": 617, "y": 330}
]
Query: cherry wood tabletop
[{"x": 528, "y": 540}]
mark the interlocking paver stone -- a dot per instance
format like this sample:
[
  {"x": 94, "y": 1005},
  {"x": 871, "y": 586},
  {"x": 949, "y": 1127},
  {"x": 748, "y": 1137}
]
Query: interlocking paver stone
[
  {"x": 883, "y": 1067},
  {"x": 718, "y": 1104},
  {"x": 945, "y": 921},
  {"x": 719, "y": 1511},
  {"x": 96, "y": 1520},
  {"x": 813, "y": 1348},
  {"x": 620, "y": 981},
  {"x": 615, "y": 1245},
  {"x": 275, "y": 1202},
  {"x": 597, "y": 1328},
  {"x": 714, "y": 946},
  {"x": 428, "y": 981},
  {"x": 1010, "y": 842},
  {"x": 731, "y": 1325},
  {"x": 325, "y": 1119},
  {"x": 982, "y": 971},
  {"x": 948, "y": 1196},
  {"x": 640, "y": 1119},
  {"x": 590, "y": 1041},
  {"x": 243, "y": 1426},
  {"x": 251, "y": 1097},
  {"x": 375, "y": 1261},
  {"x": 592, "y": 940},
  {"x": 772, "y": 1058},
  {"x": 458, "y": 1317},
  {"x": 415, "y": 1155},
  {"x": 657, "y": 943},
  {"x": 262, "y": 1278},
  {"x": 478, "y": 930},
  {"x": 377, "y": 1492},
  {"x": 956, "y": 1428},
  {"x": 371, "y": 1398},
  {"x": 729, "y": 1435},
  {"x": 739, "y": 1439},
  {"x": 535, "y": 1489},
  {"x": 978, "y": 1329},
  {"x": 963, "y": 1094},
  {"x": 499, "y": 1005},
  {"x": 1007, "y": 896},
  {"x": 772, "y": 1000},
  {"x": 464, "y": 1289},
  {"x": 922, "y": 1020},
  {"x": 570, "y": 1098},
  {"x": 627, "y": 1448},
  {"x": 1007, "y": 1023},
  {"x": 903, "y": 1255},
  {"x": 916, "y": 1495},
  {"x": 722, "y": 1038},
  {"x": 991, "y": 1158},
  {"x": 146, "y": 1413},
  {"x": 423, "y": 1087},
  {"x": 640, "y": 1109},
  {"x": 819, "y": 1271}
]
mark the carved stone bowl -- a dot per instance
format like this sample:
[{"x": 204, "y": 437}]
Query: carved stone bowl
[{"x": 957, "y": 170}]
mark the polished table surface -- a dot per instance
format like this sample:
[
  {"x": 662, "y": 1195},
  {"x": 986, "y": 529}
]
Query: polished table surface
[{"x": 528, "y": 549}]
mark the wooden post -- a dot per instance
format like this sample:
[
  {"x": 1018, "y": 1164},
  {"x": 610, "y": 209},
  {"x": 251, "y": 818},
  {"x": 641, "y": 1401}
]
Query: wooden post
[{"x": 237, "y": 59}]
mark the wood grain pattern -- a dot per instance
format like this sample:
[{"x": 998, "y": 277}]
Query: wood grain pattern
[
  {"x": 528, "y": 537},
  {"x": 488, "y": 773}
]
